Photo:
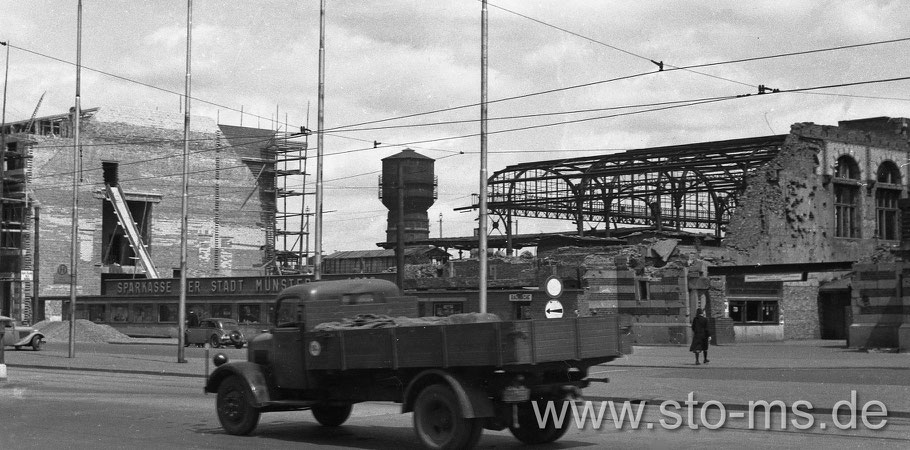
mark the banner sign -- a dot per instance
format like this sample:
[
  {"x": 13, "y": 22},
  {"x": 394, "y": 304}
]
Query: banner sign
[{"x": 222, "y": 286}]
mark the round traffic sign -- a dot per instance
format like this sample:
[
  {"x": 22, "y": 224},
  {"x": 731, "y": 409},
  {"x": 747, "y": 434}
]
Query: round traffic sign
[
  {"x": 553, "y": 310},
  {"x": 553, "y": 286}
]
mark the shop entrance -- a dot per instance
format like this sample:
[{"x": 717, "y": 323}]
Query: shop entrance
[{"x": 833, "y": 313}]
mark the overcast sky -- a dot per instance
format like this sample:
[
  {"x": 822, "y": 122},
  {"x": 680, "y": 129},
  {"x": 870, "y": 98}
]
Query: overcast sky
[{"x": 399, "y": 58}]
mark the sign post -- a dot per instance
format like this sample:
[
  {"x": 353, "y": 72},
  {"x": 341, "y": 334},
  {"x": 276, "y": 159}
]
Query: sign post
[
  {"x": 553, "y": 287},
  {"x": 553, "y": 310}
]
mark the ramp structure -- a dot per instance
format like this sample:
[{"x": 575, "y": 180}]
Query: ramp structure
[{"x": 115, "y": 195}]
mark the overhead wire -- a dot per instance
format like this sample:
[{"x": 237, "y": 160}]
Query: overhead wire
[
  {"x": 130, "y": 80},
  {"x": 334, "y": 129},
  {"x": 330, "y": 131},
  {"x": 673, "y": 105},
  {"x": 689, "y": 68}
]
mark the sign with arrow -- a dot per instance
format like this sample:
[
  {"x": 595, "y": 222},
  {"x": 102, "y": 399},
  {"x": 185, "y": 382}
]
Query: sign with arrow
[{"x": 553, "y": 310}]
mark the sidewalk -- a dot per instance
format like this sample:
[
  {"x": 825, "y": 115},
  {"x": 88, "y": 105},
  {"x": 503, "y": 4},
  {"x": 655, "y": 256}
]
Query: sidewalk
[
  {"x": 56, "y": 356},
  {"x": 822, "y": 372}
]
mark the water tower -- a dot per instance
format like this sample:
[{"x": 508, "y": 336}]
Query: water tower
[{"x": 414, "y": 173}]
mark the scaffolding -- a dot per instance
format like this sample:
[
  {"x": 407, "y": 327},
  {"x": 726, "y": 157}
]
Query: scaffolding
[
  {"x": 15, "y": 232},
  {"x": 290, "y": 235}
]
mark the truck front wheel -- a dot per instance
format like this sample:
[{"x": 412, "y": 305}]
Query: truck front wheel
[
  {"x": 530, "y": 431},
  {"x": 331, "y": 415},
  {"x": 438, "y": 420},
  {"x": 235, "y": 410}
]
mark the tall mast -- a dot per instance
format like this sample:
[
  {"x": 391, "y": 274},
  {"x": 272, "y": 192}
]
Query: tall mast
[
  {"x": 3, "y": 164},
  {"x": 482, "y": 222},
  {"x": 181, "y": 307},
  {"x": 74, "y": 237},
  {"x": 320, "y": 117}
]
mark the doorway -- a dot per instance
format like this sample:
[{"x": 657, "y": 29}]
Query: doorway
[{"x": 833, "y": 313}]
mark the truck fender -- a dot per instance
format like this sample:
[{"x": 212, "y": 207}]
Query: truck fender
[
  {"x": 474, "y": 402},
  {"x": 250, "y": 372}
]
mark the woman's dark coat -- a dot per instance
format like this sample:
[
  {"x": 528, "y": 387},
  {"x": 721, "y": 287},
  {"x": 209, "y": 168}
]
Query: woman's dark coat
[{"x": 700, "y": 334}]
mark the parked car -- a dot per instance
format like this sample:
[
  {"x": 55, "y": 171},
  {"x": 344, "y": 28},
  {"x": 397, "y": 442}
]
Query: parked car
[
  {"x": 215, "y": 331},
  {"x": 20, "y": 336}
]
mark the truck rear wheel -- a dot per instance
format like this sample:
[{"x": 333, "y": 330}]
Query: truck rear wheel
[
  {"x": 438, "y": 420},
  {"x": 331, "y": 415},
  {"x": 529, "y": 430},
  {"x": 235, "y": 409}
]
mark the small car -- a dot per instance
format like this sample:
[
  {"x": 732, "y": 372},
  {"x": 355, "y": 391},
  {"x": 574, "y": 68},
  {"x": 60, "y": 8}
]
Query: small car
[
  {"x": 216, "y": 332},
  {"x": 20, "y": 336}
]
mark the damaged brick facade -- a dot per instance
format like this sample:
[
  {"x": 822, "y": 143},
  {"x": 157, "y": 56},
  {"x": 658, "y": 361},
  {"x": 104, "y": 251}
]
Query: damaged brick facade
[
  {"x": 226, "y": 234},
  {"x": 786, "y": 213},
  {"x": 829, "y": 195}
]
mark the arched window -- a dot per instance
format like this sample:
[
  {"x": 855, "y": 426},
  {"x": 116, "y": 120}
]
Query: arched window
[
  {"x": 846, "y": 198},
  {"x": 887, "y": 192},
  {"x": 889, "y": 173}
]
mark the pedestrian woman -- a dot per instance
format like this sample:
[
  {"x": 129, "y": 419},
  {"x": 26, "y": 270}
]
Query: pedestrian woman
[{"x": 700, "y": 335}]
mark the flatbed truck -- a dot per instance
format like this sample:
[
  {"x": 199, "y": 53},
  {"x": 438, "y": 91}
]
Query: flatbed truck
[{"x": 457, "y": 379}]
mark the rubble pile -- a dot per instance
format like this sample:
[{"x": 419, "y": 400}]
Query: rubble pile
[{"x": 86, "y": 331}]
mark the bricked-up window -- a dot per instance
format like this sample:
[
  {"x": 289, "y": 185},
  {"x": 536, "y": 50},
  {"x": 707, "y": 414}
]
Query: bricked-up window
[
  {"x": 846, "y": 198},
  {"x": 887, "y": 193}
]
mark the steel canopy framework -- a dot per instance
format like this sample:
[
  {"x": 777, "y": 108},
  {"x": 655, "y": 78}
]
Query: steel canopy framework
[{"x": 691, "y": 186}]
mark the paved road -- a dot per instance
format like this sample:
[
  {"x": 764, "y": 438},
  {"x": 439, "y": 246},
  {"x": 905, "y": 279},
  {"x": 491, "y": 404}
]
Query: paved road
[{"x": 138, "y": 396}]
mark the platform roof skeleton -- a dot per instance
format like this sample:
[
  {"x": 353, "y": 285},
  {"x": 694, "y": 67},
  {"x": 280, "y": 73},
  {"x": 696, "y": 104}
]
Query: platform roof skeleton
[{"x": 692, "y": 186}]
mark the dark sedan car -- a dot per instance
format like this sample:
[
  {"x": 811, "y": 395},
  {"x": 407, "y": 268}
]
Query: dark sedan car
[{"x": 216, "y": 332}]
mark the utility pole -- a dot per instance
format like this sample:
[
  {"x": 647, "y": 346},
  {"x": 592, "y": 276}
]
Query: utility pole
[
  {"x": 399, "y": 229},
  {"x": 74, "y": 237},
  {"x": 3, "y": 169},
  {"x": 320, "y": 142},
  {"x": 181, "y": 307},
  {"x": 482, "y": 222}
]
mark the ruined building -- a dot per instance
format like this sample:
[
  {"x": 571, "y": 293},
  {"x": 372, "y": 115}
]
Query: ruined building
[
  {"x": 131, "y": 169},
  {"x": 779, "y": 237}
]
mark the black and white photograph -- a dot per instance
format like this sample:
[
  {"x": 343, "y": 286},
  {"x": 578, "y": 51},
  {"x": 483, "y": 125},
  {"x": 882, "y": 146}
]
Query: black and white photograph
[{"x": 454, "y": 224}]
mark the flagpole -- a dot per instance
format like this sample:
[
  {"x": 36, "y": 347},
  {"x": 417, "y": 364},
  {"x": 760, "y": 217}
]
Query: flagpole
[
  {"x": 320, "y": 117},
  {"x": 482, "y": 222},
  {"x": 181, "y": 307},
  {"x": 74, "y": 232}
]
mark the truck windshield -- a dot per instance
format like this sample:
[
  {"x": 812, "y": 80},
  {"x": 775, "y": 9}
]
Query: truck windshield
[{"x": 287, "y": 313}]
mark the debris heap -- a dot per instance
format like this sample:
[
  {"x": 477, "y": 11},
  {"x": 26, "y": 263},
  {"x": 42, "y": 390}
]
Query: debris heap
[{"x": 86, "y": 331}]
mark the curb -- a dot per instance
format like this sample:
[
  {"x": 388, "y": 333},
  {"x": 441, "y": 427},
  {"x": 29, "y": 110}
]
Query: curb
[
  {"x": 705, "y": 367},
  {"x": 653, "y": 401},
  {"x": 141, "y": 343},
  {"x": 730, "y": 407},
  {"x": 124, "y": 371}
]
